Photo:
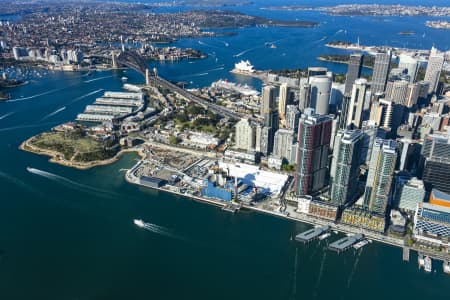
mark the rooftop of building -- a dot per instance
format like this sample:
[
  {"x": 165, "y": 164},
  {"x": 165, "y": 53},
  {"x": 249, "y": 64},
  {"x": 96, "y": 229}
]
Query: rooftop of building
[{"x": 437, "y": 194}]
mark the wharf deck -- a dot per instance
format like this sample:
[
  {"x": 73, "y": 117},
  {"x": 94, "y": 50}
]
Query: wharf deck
[
  {"x": 345, "y": 243},
  {"x": 312, "y": 234}
]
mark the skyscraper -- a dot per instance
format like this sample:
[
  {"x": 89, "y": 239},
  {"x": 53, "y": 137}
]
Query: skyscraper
[
  {"x": 370, "y": 132},
  {"x": 305, "y": 91},
  {"x": 245, "y": 135},
  {"x": 356, "y": 106},
  {"x": 316, "y": 71},
  {"x": 398, "y": 91},
  {"x": 412, "y": 95},
  {"x": 409, "y": 193},
  {"x": 292, "y": 117},
  {"x": 343, "y": 115},
  {"x": 410, "y": 64},
  {"x": 380, "y": 71},
  {"x": 283, "y": 100},
  {"x": 313, "y": 143},
  {"x": 283, "y": 142},
  {"x": 345, "y": 166},
  {"x": 434, "y": 68},
  {"x": 379, "y": 178},
  {"x": 320, "y": 93},
  {"x": 436, "y": 162},
  {"x": 353, "y": 72},
  {"x": 268, "y": 99},
  {"x": 381, "y": 113}
]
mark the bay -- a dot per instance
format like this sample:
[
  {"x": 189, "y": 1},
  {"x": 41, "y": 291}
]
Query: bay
[{"x": 62, "y": 240}]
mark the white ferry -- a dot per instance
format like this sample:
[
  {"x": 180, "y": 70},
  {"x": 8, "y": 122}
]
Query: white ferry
[
  {"x": 324, "y": 236},
  {"x": 446, "y": 267},
  {"x": 139, "y": 223},
  {"x": 421, "y": 261},
  {"x": 428, "y": 264},
  {"x": 360, "y": 244}
]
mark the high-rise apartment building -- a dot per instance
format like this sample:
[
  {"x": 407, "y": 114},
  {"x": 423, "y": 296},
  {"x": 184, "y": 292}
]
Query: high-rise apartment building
[
  {"x": 357, "y": 102},
  {"x": 320, "y": 86},
  {"x": 380, "y": 71},
  {"x": 434, "y": 68},
  {"x": 380, "y": 175},
  {"x": 313, "y": 144},
  {"x": 353, "y": 72},
  {"x": 345, "y": 166}
]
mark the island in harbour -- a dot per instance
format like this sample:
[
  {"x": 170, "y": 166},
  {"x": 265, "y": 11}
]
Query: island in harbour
[{"x": 371, "y": 10}]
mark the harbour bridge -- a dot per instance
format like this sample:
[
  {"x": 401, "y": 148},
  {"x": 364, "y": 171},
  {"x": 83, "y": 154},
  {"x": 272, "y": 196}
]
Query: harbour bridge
[{"x": 135, "y": 61}]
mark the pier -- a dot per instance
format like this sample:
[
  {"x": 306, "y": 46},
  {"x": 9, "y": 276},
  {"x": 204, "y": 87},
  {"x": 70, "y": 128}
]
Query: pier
[
  {"x": 312, "y": 234},
  {"x": 345, "y": 243},
  {"x": 231, "y": 207}
]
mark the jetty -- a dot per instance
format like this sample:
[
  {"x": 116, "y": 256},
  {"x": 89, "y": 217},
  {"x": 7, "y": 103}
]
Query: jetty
[
  {"x": 345, "y": 243},
  {"x": 312, "y": 234}
]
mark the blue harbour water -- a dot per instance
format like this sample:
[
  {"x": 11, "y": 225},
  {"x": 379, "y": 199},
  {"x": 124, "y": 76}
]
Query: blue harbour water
[{"x": 68, "y": 234}]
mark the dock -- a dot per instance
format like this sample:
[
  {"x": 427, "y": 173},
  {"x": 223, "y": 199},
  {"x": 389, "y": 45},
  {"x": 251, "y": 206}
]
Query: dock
[
  {"x": 345, "y": 243},
  {"x": 312, "y": 234},
  {"x": 231, "y": 207}
]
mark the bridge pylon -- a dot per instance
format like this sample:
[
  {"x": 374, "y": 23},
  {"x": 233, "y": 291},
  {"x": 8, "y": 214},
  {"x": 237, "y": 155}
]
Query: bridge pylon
[
  {"x": 147, "y": 76},
  {"x": 114, "y": 60}
]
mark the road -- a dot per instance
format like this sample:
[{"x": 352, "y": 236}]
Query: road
[{"x": 156, "y": 80}]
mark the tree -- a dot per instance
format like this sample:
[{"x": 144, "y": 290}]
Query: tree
[{"x": 173, "y": 140}]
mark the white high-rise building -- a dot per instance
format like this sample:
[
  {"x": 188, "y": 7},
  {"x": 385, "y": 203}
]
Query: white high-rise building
[
  {"x": 245, "y": 135},
  {"x": 283, "y": 99},
  {"x": 284, "y": 140},
  {"x": 409, "y": 193},
  {"x": 434, "y": 68},
  {"x": 320, "y": 92},
  {"x": 410, "y": 64},
  {"x": 398, "y": 91},
  {"x": 356, "y": 107}
]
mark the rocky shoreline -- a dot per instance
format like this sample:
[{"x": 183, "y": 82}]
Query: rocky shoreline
[{"x": 58, "y": 158}]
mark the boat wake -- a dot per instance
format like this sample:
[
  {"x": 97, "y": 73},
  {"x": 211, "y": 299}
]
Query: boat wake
[
  {"x": 86, "y": 95},
  {"x": 54, "y": 113},
  {"x": 205, "y": 44},
  {"x": 352, "y": 273},
  {"x": 339, "y": 31},
  {"x": 26, "y": 126},
  {"x": 319, "y": 278},
  {"x": 68, "y": 183},
  {"x": 158, "y": 230},
  {"x": 19, "y": 183},
  {"x": 96, "y": 79},
  {"x": 221, "y": 67},
  {"x": 35, "y": 96},
  {"x": 294, "y": 276},
  {"x": 243, "y": 52},
  {"x": 6, "y": 115},
  {"x": 200, "y": 74},
  {"x": 323, "y": 39}
]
